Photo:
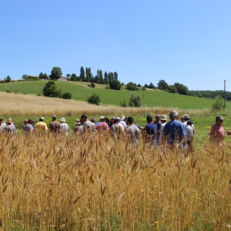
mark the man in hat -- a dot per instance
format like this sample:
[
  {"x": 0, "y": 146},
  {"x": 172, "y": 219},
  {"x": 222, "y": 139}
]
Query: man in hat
[
  {"x": 2, "y": 126},
  {"x": 163, "y": 120},
  {"x": 25, "y": 122},
  {"x": 102, "y": 126},
  {"x": 29, "y": 127},
  {"x": 217, "y": 132},
  {"x": 64, "y": 127},
  {"x": 122, "y": 122},
  {"x": 10, "y": 127},
  {"x": 54, "y": 126},
  {"x": 41, "y": 126},
  {"x": 189, "y": 134},
  {"x": 78, "y": 128},
  {"x": 186, "y": 118},
  {"x": 117, "y": 129}
]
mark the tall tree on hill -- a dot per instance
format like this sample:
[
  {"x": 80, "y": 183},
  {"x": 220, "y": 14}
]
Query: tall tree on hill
[
  {"x": 105, "y": 77},
  {"x": 8, "y": 79},
  {"x": 162, "y": 85},
  {"x": 100, "y": 76},
  {"x": 88, "y": 74},
  {"x": 115, "y": 76},
  {"x": 25, "y": 76},
  {"x": 110, "y": 76},
  {"x": 73, "y": 77},
  {"x": 56, "y": 72},
  {"x": 45, "y": 76},
  {"x": 68, "y": 75},
  {"x": 41, "y": 75},
  {"x": 82, "y": 74}
]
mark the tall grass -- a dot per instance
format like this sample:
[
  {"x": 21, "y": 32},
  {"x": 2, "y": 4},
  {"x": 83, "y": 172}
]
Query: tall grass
[{"x": 94, "y": 182}]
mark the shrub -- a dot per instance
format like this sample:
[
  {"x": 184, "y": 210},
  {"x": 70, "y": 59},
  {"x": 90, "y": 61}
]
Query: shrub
[
  {"x": 123, "y": 103},
  {"x": 94, "y": 99},
  {"x": 51, "y": 90},
  {"x": 66, "y": 95},
  {"x": 8, "y": 91},
  {"x": 115, "y": 84},
  {"x": 131, "y": 86},
  {"x": 200, "y": 95},
  {"x": 144, "y": 88},
  {"x": 183, "y": 90},
  {"x": 172, "y": 89},
  {"x": 218, "y": 103},
  {"x": 38, "y": 94},
  {"x": 107, "y": 87},
  {"x": 92, "y": 85},
  {"x": 135, "y": 101},
  {"x": 15, "y": 91}
]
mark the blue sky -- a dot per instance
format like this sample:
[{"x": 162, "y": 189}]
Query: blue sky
[{"x": 144, "y": 41}]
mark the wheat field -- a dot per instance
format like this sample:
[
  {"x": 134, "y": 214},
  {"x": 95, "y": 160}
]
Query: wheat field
[{"x": 94, "y": 182}]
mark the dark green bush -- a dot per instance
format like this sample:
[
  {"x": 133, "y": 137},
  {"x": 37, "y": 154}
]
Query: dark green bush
[
  {"x": 115, "y": 84},
  {"x": 94, "y": 99},
  {"x": 66, "y": 95},
  {"x": 8, "y": 91}
]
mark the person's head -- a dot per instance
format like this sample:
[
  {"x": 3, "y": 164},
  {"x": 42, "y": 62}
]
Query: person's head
[
  {"x": 219, "y": 119},
  {"x": 149, "y": 119},
  {"x": 101, "y": 119},
  {"x": 41, "y": 119},
  {"x": 0, "y": 121},
  {"x": 54, "y": 117},
  {"x": 182, "y": 119},
  {"x": 163, "y": 119},
  {"x": 63, "y": 120},
  {"x": 106, "y": 120},
  {"x": 25, "y": 121},
  {"x": 116, "y": 121},
  {"x": 186, "y": 117},
  {"x": 84, "y": 117},
  {"x": 173, "y": 115},
  {"x": 189, "y": 122},
  {"x": 122, "y": 118},
  {"x": 130, "y": 120},
  {"x": 30, "y": 121},
  {"x": 81, "y": 121},
  {"x": 77, "y": 122},
  {"x": 157, "y": 118},
  {"x": 93, "y": 120},
  {"x": 8, "y": 121}
]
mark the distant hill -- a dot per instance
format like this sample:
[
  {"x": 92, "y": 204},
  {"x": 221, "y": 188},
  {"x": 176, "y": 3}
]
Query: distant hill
[
  {"x": 211, "y": 94},
  {"x": 80, "y": 91}
]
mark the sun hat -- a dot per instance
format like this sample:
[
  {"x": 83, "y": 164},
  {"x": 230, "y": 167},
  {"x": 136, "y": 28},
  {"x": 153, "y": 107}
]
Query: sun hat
[
  {"x": 42, "y": 118},
  {"x": 63, "y": 120},
  {"x": 25, "y": 121},
  {"x": 118, "y": 118},
  {"x": 219, "y": 117},
  {"x": 77, "y": 122},
  {"x": 186, "y": 116},
  {"x": 163, "y": 117},
  {"x": 8, "y": 120},
  {"x": 101, "y": 117},
  {"x": 122, "y": 117},
  {"x": 113, "y": 117}
]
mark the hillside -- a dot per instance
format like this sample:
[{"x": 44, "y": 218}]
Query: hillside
[{"x": 113, "y": 97}]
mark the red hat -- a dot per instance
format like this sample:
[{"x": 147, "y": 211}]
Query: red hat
[{"x": 25, "y": 121}]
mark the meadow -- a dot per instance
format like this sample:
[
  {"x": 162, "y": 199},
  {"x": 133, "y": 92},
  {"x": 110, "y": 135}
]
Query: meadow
[{"x": 80, "y": 92}]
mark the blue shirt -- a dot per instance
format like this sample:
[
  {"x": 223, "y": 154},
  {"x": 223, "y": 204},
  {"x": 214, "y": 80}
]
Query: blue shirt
[
  {"x": 151, "y": 129},
  {"x": 174, "y": 130},
  {"x": 97, "y": 123},
  {"x": 28, "y": 128}
]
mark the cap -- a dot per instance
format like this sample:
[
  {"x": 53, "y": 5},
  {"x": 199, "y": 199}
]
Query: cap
[
  {"x": 101, "y": 117},
  {"x": 42, "y": 118},
  {"x": 219, "y": 117},
  {"x": 163, "y": 117},
  {"x": 118, "y": 118},
  {"x": 113, "y": 117},
  {"x": 25, "y": 121},
  {"x": 63, "y": 120},
  {"x": 77, "y": 121},
  {"x": 186, "y": 116},
  {"x": 122, "y": 117}
]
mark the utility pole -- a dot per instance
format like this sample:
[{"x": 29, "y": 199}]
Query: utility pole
[
  {"x": 143, "y": 100},
  {"x": 224, "y": 92}
]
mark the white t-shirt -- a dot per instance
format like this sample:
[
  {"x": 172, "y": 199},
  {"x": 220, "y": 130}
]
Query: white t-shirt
[
  {"x": 161, "y": 131},
  {"x": 64, "y": 128},
  {"x": 123, "y": 123},
  {"x": 185, "y": 124},
  {"x": 2, "y": 127},
  {"x": 189, "y": 132},
  {"x": 122, "y": 127}
]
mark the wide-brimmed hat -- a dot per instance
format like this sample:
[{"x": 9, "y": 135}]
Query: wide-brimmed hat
[
  {"x": 101, "y": 117},
  {"x": 63, "y": 120},
  {"x": 163, "y": 117},
  {"x": 219, "y": 117},
  {"x": 42, "y": 118},
  {"x": 77, "y": 122},
  {"x": 8, "y": 120},
  {"x": 186, "y": 116},
  {"x": 122, "y": 117}
]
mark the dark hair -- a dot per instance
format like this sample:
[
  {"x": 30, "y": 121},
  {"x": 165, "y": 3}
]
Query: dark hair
[
  {"x": 189, "y": 122},
  {"x": 130, "y": 119},
  {"x": 186, "y": 119},
  {"x": 40, "y": 119},
  {"x": 107, "y": 120},
  {"x": 30, "y": 120},
  {"x": 93, "y": 120},
  {"x": 84, "y": 116},
  {"x": 149, "y": 118},
  {"x": 0, "y": 120},
  {"x": 115, "y": 121},
  {"x": 54, "y": 117}
]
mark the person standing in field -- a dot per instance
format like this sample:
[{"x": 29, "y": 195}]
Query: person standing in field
[
  {"x": 41, "y": 126},
  {"x": 132, "y": 131},
  {"x": 54, "y": 126},
  {"x": 174, "y": 130},
  {"x": 25, "y": 122},
  {"x": 150, "y": 130},
  {"x": 189, "y": 134},
  {"x": 2, "y": 126},
  {"x": 78, "y": 129},
  {"x": 122, "y": 118},
  {"x": 29, "y": 127},
  {"x": 163, "y": 120},
  {"x": 93, "y": 121},
  {"x": 102, "y": 126},
  {"x": 10, "y": 128},
  {"x": 64, "y": 128},
  {"x": 186, "y": 118},
  {"x": 116, "y": 129},
  {"x": 217, "y": 132},
  {"x": 158, "y": 125},
  {"x": 88, "y": 126},
  {"x": 182, "y": 119}
]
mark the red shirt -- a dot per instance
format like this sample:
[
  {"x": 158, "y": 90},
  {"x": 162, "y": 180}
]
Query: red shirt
[
  {"x": 217, "y": 132},
  {"x": 102, "y": 126}
]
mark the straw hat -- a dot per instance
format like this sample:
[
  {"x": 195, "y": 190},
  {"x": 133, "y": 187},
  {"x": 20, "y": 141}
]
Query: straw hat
[{"x": 77, "y": 122}]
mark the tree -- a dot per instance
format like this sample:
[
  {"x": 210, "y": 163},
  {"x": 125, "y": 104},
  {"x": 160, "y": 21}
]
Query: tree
[
  {"x": 218, "y": 103},
  {"x": 88, "y": 74},
  {"x": 45, "y": 76},
  {"x": 24, "y": 77},
  {"x": 41, "y": 75},
  {"x": 82, "y": 74},
  {"x": 110, "y": 76},
  {"x": 68, "y": 75},
  {"x": 66, "y": 95},
  {"x": 100, "y": 76},
  {"x": 115, "y": 76},
  {"x": 183, "y": 90},
  {"x": 105, "y": 77},
  {"x": 115, "y": 84},
  {"x": 73, "y": 77},
  {"x": 94, "y": 99},
  {"x": 131, "y": 86},
  {"x": 162, "y": 85},
  {"x": 56, "y": 72},
  {"x": 135, "y": 101},
  {"x": 151, "y": 85},
  {"x": 51, "y": 90},
  {"x": 172, "y": 89},
  {"x": 8, "y": 79}
]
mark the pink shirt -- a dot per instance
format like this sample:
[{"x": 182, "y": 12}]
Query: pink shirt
[
  {"x": 102, "y": 126},
  {"x": 217, "y": 132}
]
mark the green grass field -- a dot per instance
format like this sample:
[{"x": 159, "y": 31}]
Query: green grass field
[{"x": 112, "y": 97}]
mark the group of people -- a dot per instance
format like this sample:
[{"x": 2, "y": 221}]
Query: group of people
[{"x": 155, "y": 132}]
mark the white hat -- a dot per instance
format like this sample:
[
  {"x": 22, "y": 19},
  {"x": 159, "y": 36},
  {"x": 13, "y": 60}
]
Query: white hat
[
  {"x": 101, "y": 117},
  {"x": 186, "y": 116},
  {"x": 42, "y": 118},
  {"x": 122, "y": 117},
  {"x": 63, "y": 120},
  {"x": 118, "y": 118},
  {"x": 163, "y": 117}
]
